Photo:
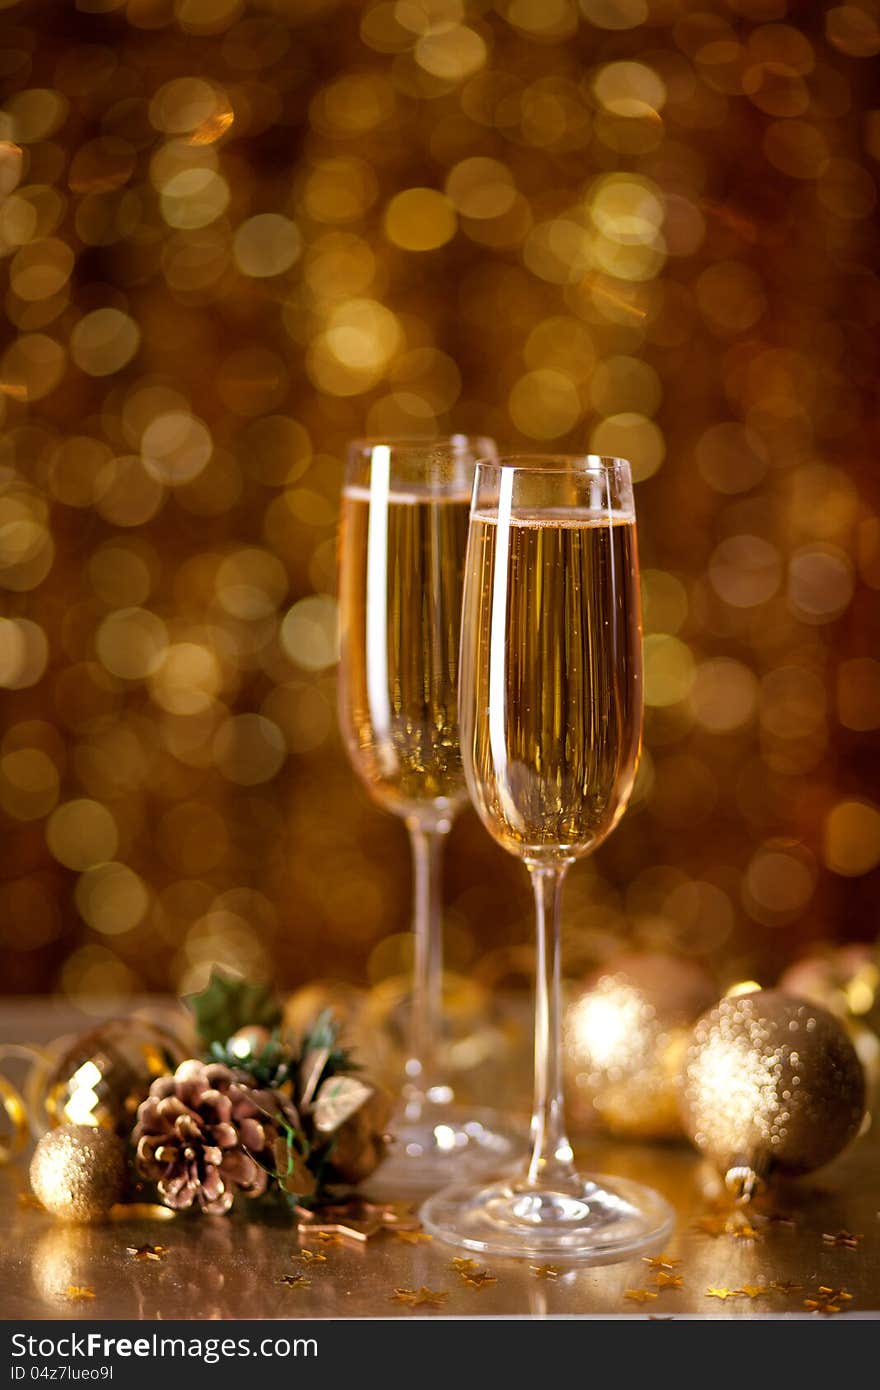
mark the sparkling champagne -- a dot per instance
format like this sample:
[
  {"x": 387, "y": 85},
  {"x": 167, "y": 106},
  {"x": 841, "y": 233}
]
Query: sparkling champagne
[
  {"x": 551, "y": 686},
  {"x": 400, "y": 589}
]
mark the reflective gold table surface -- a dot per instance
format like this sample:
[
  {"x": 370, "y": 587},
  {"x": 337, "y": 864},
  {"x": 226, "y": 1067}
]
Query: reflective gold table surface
[{"x": 232, "y": 1267}]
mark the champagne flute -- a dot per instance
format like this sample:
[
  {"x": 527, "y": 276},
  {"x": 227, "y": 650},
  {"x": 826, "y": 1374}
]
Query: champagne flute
[
  {"x": 403, "y": 536},
  {"x": 550, "y": 716}
]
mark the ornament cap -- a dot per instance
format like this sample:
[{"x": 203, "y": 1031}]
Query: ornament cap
[{"x": 743, "y": 1182}]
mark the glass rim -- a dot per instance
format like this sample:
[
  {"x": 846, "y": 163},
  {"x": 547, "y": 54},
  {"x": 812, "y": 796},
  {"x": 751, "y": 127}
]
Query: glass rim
[
  {"x": 417, "y": 441},
  {"x": 561, "y": 463}
]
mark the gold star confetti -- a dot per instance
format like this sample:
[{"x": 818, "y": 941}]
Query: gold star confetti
[
  {"x": 78, "y": 1293},
  {"x": 462, "y": 1266},
  {"x": 721, "y": 1223},
  {"x": 311, "y": 1257},
  {"x": 785, "y": 1286},
  {"x": 295, "y": 1281},
  {"x": 413, "y": 1237},
  {"x": 478, "y": 1279},
  {"x": 147, "y": 1252},
  {"x": 720, "y": 1293},
  {"x": 639, "y": 1295},
  {"x": 828, "y": 1301},
  {"x": 545, "y": 1271},
  {"x": 329, "y": 1237},
  {"x": 744, "y": 1230},
  {"x": 664, "y": 1279},
  {"x": 431, "y": 1297},
  {"x": 417, "y": 1298},
  {"x": 753, "y": 1290},
  {"x": 844, "y": 1238},
  {"x": 355, "y": 1220},
  {"x": 660, "y": 1262}
]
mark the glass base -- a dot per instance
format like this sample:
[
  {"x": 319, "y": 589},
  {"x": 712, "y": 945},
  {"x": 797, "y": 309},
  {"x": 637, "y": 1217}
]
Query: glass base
[
  {"x": 594, "y": 1221},
  {"x": 446, "y": 1143}
]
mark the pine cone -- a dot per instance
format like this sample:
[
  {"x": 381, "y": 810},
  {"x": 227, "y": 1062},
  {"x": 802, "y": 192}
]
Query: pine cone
[{"x": 196, "y": 1133}]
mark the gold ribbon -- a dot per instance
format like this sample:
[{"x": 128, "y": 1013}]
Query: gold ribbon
[
  {"x": 141, "y": 1211},
  {"x": 20, "y": 1113}
]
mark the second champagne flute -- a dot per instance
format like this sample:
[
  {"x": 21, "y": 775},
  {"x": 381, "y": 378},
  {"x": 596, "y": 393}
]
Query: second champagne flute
[
  {"x": 401, "y": 561},
  {"x": 551, "y": 720}
]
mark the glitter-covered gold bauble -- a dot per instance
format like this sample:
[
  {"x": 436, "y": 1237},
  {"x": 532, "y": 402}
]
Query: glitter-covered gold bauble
[
  {"x": 771, "y": 1085},
  {"x": 625, "y": 1032},
  {"x": 104, "y": 1075},
  {"x": 78, "y": 1172}
]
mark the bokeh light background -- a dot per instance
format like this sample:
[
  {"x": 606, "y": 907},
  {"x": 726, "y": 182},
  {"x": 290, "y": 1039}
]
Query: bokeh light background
[{"x": 235, "y": 233}]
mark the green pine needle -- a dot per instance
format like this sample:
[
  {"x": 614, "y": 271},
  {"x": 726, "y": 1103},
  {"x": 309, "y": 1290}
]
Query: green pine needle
[
  {"x": 324, "y": 1033},
  {"x": 229, "y": 1003},
  {"x": 269, "y": 1068}
]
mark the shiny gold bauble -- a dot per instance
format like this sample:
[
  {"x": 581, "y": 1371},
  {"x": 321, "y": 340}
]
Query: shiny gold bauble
[
  {"x": 78, "y": 1172},
  {"x": 625, "y": 1031},
  {"x": 771, "y": 1085},
  {"x": 103, "y": 1076}
]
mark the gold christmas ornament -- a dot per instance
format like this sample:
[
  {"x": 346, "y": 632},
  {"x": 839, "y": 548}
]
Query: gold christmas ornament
[
  {"x": 845, "y": 980},
  {"x": 13, "y": 1103},
  {"x": 771, "y": 1085},
  {"x": 625, "y": 1034},
  {"x": 78, "y": 1172},
  {"x": 103, "y": 1076}
]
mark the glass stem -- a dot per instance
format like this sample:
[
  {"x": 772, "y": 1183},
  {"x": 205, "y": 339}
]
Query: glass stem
[
  {"x": 427, "y": 856},
  {"x": 551, "y": 1162}
]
